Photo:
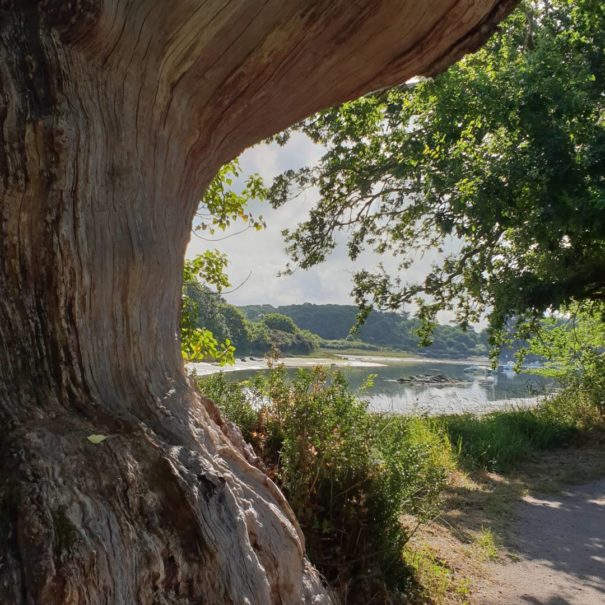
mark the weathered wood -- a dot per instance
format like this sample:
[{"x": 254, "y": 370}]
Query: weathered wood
[{"x": 115, "y": 114}]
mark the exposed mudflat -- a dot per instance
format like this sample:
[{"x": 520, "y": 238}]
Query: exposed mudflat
[{"x": 557, "y": 546}]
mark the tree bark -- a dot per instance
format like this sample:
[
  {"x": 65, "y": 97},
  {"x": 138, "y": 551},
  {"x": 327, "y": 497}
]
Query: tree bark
[{"x": 115, "y": 114}]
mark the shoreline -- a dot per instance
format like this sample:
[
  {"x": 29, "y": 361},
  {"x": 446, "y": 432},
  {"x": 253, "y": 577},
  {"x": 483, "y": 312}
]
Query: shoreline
[
  {"x": 340, "y": 360},
  {"x": 206, "y": 368},
  {"x": 380, "y": 404},
  {"x": 509, "y": 405},
  {"x": 377, "y": 358}
]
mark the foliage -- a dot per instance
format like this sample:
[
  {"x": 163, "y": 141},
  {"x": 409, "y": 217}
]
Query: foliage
[
  {"x": 209, "y": 268},
  {"x": 260, "y": 338},
  {"x": 221, "y": 205},
  {"x": 239, "y": 329},
  {"x": 387, "y": 330},
  {"x": 198, "y": 343},
  {"x": 235, "y": 402},
  {"x": 502, "y": 158},
  {"x": 573, "y": 344},
  {"x": 206, "y": 329},
  {"x": 277, "y": 321},
  {"x": 204, "y": 309},
  {"x": 300, "y": 342},
  {"x": 348, "y": 474},
  {"x": 500, "y": 440}
]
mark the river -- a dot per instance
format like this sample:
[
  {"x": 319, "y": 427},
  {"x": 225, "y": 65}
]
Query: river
[{"x": 476, "y": 395}]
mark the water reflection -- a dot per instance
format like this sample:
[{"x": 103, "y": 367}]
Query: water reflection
[{"x": 471, "y": 395}]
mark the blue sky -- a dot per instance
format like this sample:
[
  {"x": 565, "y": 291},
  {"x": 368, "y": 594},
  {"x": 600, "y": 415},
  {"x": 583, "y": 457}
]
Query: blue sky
[{"x": 261, "y": 254}]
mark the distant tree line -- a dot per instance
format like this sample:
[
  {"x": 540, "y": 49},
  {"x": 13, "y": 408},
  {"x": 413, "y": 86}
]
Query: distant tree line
[
  {"x": 228, "y": 323},
  {"x": 389, "y": 330}
]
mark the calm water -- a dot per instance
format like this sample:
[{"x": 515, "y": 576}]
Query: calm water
[{"x": 475, "y": 395}]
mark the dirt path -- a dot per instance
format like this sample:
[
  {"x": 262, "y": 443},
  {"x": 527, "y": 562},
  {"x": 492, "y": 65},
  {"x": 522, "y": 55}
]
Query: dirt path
[{"x": 557, "y": 546}]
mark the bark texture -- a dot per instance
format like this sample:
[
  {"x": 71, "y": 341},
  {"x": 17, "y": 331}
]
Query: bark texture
[{"x": 114, "y": 115}]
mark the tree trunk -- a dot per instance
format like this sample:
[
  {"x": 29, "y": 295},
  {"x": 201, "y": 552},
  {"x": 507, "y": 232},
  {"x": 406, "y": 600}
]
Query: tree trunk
[{"x": 115, "y": 114}]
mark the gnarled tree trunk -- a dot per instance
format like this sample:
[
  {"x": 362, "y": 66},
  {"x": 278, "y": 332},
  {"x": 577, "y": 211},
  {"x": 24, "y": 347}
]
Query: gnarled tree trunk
[{"x": 115, "y": 114}]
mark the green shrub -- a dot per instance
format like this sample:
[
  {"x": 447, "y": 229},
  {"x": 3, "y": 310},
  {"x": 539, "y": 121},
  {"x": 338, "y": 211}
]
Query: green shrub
[
  {"x": 349, "y": 475},
  {"x": 232, "y": 399}
]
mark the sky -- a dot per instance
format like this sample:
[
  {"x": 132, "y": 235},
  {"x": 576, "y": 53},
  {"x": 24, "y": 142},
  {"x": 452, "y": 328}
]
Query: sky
[{"x": 256, "y": 257}]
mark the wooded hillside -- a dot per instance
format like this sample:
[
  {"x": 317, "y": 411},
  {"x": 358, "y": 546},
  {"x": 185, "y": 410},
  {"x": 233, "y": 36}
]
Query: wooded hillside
[{"x": 381, "y": 329}]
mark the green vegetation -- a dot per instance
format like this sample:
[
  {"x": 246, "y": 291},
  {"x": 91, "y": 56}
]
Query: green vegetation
[
  {"x": 277, "y": 321},
  {"x": 487, "y": 543},
  {"x": 348, "y": 474},
  {"x": 197, "y": 341},
  {"x": 435, "y": 577},
  {"x": 222, "y": 205},
  {"x": 355, "y": 479},
  {"x": 352, "y": 346},
  {"x": 206, "y": 312},
  {"x": 573, "y": 344},
  {"x": 204, "y": 277},
  {"x": 396, "y": 331},
  {"x": 499, "y": 440},
  {"x": 501, "y": 158},
  {"x": 210, "y": 328},
  {"x": 213, "y": 329}
]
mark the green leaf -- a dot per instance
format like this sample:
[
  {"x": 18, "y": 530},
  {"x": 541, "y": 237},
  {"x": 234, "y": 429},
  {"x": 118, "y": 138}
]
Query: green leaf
[
  {"x": 96, "y": 438},
  {"x": 502, "y": 153}
]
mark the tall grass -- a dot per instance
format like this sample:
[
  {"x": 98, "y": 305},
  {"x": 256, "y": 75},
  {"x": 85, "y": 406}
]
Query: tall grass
[{"x": 501, "y": 440}]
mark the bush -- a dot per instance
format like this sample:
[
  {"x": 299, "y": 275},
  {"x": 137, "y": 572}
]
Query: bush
[
  {"x": 349, "y": 475},
  {"x": 233, "y": 401},
  {"x": 301, "y": 342}
]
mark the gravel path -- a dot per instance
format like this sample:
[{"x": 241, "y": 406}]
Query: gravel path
[{"x": 560, "y": 544}]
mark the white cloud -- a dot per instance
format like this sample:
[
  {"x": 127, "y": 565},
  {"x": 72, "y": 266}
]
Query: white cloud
[{"x": 262, "y": 255}]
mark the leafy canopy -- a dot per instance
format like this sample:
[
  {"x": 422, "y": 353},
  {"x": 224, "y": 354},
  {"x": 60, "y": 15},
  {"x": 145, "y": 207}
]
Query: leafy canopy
[
  {"x": 572, "y": 342},
  {"x": 502, "y": 157},
  {"x": 222, "y": 205},
  {"x": 197, "y": 344},
  {"x": 205, "y": 275},
  {"x": 277, "y": 321}
]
